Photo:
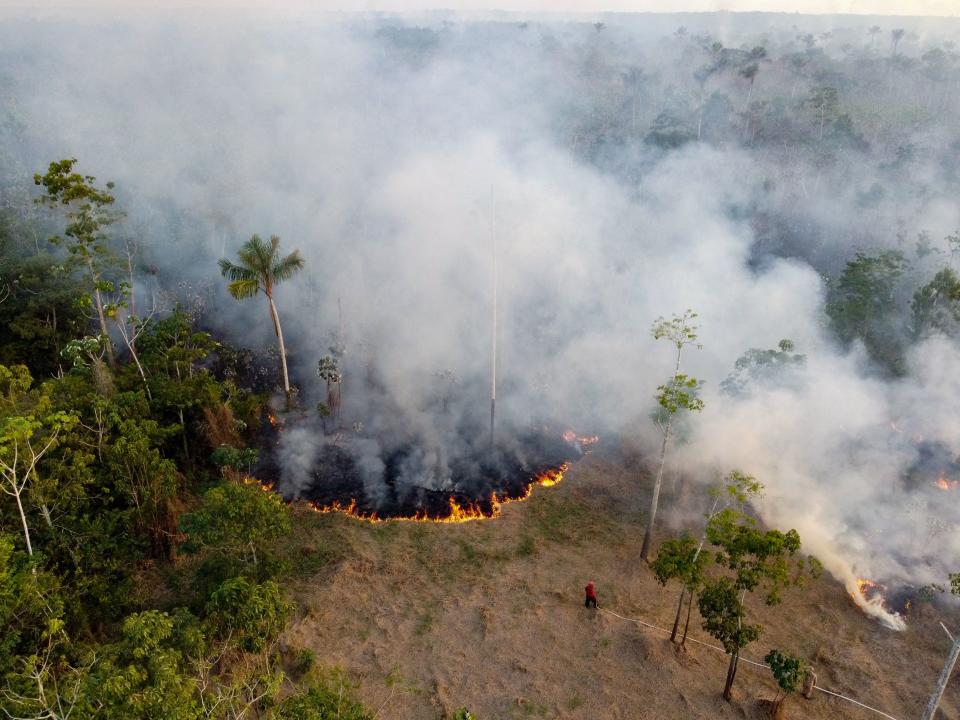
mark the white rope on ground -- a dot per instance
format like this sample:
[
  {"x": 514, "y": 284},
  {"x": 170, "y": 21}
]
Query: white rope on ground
[{"x": 743, "y": 659}]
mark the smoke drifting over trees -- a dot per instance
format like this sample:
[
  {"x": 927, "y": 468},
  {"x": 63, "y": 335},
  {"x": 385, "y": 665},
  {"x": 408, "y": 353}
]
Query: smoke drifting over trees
[{"x": 641, "y": 166}]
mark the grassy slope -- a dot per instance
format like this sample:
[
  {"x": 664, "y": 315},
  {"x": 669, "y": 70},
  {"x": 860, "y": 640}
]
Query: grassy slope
[{"x": 488, "y": 615}]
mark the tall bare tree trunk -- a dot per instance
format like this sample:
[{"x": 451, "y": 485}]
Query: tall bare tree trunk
[
  {"x": 23, "y": 518},
  {"x": 655, "y": 498},
  {"x": 283, "y": 349}
]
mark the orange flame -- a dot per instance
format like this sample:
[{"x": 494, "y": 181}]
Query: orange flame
[
  {"x": 264, "y": 486},
  {"x": 583, "y": 440},
  {"x": 943, "y": 484},
  {"x": 868, "y": 596},
  {"x": 275, "y": 421},
  {"x": 458, "y": 513}
]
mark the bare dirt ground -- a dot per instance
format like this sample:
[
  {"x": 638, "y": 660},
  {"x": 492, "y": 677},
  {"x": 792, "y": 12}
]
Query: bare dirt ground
[{"x": 488, "y": 615}]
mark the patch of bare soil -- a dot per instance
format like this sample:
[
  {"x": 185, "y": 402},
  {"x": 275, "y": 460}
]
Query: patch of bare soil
[{"x": 489, "y": 615}]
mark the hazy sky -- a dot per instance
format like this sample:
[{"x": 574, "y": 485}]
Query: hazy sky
[{"x": 885, "y": 7}]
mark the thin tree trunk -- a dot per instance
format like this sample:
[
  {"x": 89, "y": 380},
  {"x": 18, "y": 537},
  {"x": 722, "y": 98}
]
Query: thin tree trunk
[
  {"x": 132, "y": 347},
  {"x": 98, "y": 301},
  {"x": 133, "y": 294},
  {"x": 686, "y": 627},
  {"x": 283, "y": 349},
  {"x": 23, "y": 519},
  {"x": 731, "y": 674},
  {"x": 183, "y": 433},
  {"x": 676, "y": 620},
  {"x": 655, "y": 499},
  {"x": 700, "y": 114}
]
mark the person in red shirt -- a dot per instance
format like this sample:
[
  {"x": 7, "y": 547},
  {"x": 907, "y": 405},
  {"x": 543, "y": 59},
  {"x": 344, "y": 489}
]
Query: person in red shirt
[{"x": 591, "y": 595}]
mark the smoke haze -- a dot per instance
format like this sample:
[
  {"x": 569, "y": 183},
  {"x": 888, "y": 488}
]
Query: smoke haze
[{"x": 391, "y": 152}]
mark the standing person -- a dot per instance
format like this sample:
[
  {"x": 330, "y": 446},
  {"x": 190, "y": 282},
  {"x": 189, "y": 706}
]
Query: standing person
[{"x": 591, "y": 595}]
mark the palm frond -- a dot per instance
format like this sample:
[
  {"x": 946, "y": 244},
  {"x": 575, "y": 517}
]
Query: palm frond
[
  {"x": 255, "y": 255},
  {"x": 242, "y": 289},
  {"x": 287, "y": 267},
  {"x": 232, "y": 271},
  {"x": 264, "y": 252}
]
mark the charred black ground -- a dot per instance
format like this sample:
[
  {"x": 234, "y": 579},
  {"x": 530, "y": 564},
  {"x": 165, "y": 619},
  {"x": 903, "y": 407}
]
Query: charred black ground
[{"x": 408, "y": 477}]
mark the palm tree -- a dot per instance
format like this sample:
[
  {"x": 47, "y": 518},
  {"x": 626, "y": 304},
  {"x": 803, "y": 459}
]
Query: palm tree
[
  {"x": 261, "y": 268},
  {"x": 896, "y": 35}
]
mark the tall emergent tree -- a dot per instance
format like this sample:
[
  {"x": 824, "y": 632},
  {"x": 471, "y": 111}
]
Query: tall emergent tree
[
  {"x": 90, "y": 213},
  {"x": 677, "y": 394},
  {"x": 261, "y": 268}
]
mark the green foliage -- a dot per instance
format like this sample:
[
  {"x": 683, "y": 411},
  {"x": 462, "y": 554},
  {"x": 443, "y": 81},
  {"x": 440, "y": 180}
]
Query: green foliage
[
  {"x": 83, "y": 352},
  {"x": 724, "y": 615},
  {"x": 29, "y": 601},
  {"x": 320, "y": 703},
  {"x": 764, "y": 368},
  {"x": 305, "y": 661},
  {"x": 90, "y": 213},
  {"x": 90, "y": 208},
  {"x": 147, "y": 479},
  {"x": 757, "y": 558},
  {"x": 464, "y": 714},
  {"x": 680, "y": 393},
  {"x": 862, "y": 305},
  {"x": 41, "y": 313},
  {"x": 738, "y": 488},
  {"x": 227, "y": 456},
  {"x": 252, "y": 615},
  {"x": 236, "y": 519},
  {"x": 936, "y": 305},
  {"x": 927, "y": 593},
  {"x": 753, "y": 559},
  {"x": 787, "y": 670},
  {"x": 143, "y": 675},
  {"x": 680, "y": 559},
  {"x": 955, "y": 583},
  {"x": 329, "y": 369},
  {"x": 680, "y": 330},
  {"x": 260, "y": 268}
]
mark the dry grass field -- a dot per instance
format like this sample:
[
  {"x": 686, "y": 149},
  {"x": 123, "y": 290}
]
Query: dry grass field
[{"x": 426, "y": 618}]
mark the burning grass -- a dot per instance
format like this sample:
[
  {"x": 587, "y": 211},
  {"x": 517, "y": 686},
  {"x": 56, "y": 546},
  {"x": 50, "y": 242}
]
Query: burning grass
[
  {"x": 459, "y": 478},
  {"x": 458, "y": 513},
  {"x": 869, "y": 596}
]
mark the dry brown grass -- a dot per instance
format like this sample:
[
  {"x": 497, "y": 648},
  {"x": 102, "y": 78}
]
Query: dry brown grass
[
  {"x": 489, "y": 615},
  {"x": 219, "y": 426}
]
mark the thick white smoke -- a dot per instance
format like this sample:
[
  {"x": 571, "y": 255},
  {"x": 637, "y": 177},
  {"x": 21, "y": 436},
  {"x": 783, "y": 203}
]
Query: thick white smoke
[{"x": 391, "y": 176}]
